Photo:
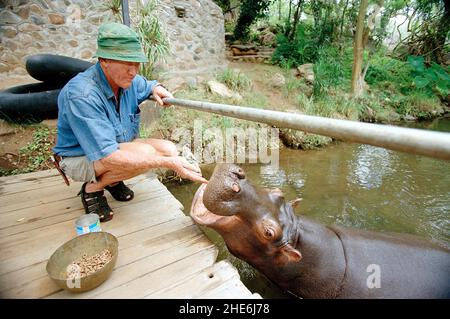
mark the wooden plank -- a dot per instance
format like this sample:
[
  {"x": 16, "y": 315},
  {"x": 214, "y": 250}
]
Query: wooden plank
[
  {"x": 230, "y": 289},
  {"x": 26, "y": 275},
  {"x": 36, "y": 197},
  {"x": 163, "y": 254},
  {"x": 30, "y": 251},
  {"x": 158, "y": 278},
  {"x": 165, "y": 200},
  {"x": 170, "y": 253},
  {"x": 14, "y": 188},
  {"x": 60, "y": 209},
  {"x": 199, "y": 283},
  {"x": 128, "y": 258},
  {"x": 19, "y": 178}
]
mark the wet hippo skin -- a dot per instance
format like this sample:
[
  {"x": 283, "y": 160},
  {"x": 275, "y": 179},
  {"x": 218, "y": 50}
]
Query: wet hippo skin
[{"x": 311, "y": 260}]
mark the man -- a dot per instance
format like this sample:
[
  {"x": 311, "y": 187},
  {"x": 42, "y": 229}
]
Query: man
[{"x": 98, "y": 124}]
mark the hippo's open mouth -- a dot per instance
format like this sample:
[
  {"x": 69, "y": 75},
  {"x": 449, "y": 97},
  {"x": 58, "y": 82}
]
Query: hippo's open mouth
[{"x": 199, "y": 212}]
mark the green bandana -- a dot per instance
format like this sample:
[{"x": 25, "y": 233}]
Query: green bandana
[{"x": 118, "y": 42}]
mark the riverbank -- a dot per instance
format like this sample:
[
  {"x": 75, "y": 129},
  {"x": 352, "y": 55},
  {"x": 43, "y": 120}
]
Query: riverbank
[
  {"x": 27, "y": 148},
  {"x": 271, "y": 87}
]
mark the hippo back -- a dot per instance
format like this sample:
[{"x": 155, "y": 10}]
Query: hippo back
[{"x": 407, "y": 266}]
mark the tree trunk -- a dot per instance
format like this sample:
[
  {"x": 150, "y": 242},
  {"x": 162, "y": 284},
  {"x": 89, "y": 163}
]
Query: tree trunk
[
  {"x": 279, "y": 10},
  {"x": 357, "y": 80},
  {"x": 296, "y": 18}
]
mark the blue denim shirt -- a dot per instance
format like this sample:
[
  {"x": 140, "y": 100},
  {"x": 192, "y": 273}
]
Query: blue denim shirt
[{"x": 88, "y": 123}]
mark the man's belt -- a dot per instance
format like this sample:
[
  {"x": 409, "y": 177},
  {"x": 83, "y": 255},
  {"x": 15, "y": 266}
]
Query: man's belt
[{"x": 56, "y": 159}]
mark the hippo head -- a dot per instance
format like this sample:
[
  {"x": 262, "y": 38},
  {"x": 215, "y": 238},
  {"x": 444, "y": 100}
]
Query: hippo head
[{"x": 256, "y": 224}]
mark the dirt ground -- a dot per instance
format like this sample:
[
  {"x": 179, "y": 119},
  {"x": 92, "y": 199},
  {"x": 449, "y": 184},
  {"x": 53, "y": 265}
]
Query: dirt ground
[{"x": 14, "y": 136}]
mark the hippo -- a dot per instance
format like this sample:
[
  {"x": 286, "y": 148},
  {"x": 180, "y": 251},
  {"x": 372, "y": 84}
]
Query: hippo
[{"x": 312, "y": 260}]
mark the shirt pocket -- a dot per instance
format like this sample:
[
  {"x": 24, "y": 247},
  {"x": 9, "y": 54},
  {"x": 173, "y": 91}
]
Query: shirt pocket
[{"x": 135, "y": 120}]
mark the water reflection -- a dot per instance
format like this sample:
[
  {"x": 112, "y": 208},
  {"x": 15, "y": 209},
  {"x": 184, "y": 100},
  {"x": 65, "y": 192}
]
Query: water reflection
[
  {"x": 370, "y": 166},
  {"x": 359, "y": 186}
]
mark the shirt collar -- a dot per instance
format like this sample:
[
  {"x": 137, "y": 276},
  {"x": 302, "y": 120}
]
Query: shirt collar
[{"x": 104, "y": 84}]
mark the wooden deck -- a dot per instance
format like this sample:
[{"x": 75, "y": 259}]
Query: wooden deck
[{"x": 162, "y": 253}]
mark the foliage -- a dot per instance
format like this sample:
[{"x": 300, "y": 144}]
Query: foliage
[
  {"x": 113, "y": 10},
  {"x": 432, "y": 80},
  {"x": 37, "y": 153},
  {"x": 249, "y": 12},
  {"x": 302, "y": 49},
  {"x": 235, "y": 80},
  {"x": 385, "y": 70},
  {"x": 154, "y": 41},
  {"x": 428, "y": 29}
]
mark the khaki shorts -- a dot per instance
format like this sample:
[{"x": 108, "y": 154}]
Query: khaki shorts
[{"x": 78, "y": 168}]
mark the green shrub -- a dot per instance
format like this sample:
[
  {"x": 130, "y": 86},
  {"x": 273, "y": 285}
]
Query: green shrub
[
  {"x": 295, "y": 52},
  {"x": 433, "y": 80},
  {"x": 235, "y": 80},
  {"x": 384, "y": 71},
  {"x": 332, "y": 69}
]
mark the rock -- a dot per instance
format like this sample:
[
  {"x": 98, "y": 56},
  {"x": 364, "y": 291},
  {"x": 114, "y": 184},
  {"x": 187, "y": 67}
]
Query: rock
[
  {"x": 6, "y": 128},
  {"x": 191, "y": 82},
  {"x": 278, "y": 80},
  {"x": 9, "y": 32},
  {"x": 174, "y": 84},
  {"x": 239, "y": 50},
  {"x": 7, "y": 17},
  {"x": 222, "y": 90},
  {"x": 306, "y": 71},
  {"x": 73, "y": 43},
  {"x": 56, "y": 18},
  {"x": 36, "y": 9},
  {"x": 410, "y": 118},
  {"x": 24, "y": 12},
  {"x": 86, "y": 54},
  {"x": 37, "y": 20},
  {"x": 28, "y": 27},
  {"x": 268, "y": 38},
  {"x": 4, "y": 67}
]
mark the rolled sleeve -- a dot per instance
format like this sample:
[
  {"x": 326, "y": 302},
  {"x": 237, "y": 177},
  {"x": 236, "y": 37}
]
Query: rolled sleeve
[
  {"x": 91, "y": 127},
  {"x": 143, "y": 87}
]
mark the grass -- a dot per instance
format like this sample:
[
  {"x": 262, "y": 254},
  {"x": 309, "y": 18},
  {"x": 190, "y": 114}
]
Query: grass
[
  {"x": 235, "y": 80},
  {"x": 35, "y": 155}
]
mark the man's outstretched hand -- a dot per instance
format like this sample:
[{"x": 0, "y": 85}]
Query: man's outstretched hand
[
  {"x": 186, "y": 170},
  {"x": 159, "y": 93}
]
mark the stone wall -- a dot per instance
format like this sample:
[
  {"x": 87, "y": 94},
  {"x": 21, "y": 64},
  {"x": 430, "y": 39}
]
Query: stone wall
[
  {"x": 196, "y": 32},
  {"x": 69, "y": 27}
]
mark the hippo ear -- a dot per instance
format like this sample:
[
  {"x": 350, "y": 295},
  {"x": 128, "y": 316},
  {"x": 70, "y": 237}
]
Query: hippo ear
[{"x": 291, "y": 254}]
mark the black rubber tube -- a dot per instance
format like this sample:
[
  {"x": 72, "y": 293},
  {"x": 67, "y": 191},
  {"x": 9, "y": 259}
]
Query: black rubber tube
[
  {"x": 30, "y": 103},
  {"x": 51, "y": 68}
]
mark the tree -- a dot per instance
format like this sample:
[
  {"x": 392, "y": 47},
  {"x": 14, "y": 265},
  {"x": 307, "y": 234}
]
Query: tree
[
  {"x": 358, "y": 48},
  {"x": 250, "y": 11}
]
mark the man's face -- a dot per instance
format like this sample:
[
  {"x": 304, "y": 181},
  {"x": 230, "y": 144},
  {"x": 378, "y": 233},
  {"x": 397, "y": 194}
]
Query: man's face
[{"x": 121, "y": 73}]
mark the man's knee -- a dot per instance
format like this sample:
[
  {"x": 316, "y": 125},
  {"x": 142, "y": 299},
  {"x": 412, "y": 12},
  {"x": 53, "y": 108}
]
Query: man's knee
[
  {"x": 142, "y": 149},
  {"x": 162, "y": 147},
  {"x": 170, "y": 149}
]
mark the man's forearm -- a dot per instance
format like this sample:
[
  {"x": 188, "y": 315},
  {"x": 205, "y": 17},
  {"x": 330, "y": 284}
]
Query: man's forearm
[{"x": 129, "y": 161}]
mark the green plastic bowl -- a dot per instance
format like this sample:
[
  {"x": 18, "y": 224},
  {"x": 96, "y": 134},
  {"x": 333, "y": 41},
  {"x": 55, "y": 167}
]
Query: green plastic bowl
[{"x": 90, "y": 244}]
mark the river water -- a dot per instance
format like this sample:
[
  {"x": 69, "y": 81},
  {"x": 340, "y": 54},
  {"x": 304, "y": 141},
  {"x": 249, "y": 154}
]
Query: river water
[{"x": 354, "y": 185}]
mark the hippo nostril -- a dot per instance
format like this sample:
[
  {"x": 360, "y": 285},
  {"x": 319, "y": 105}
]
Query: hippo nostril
[{"x": 210, "y": 275}]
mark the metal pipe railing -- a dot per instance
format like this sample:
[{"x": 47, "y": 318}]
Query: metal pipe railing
[
  {"x": 125, "y": 13},
  {"x": 414, "y": 141}
]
